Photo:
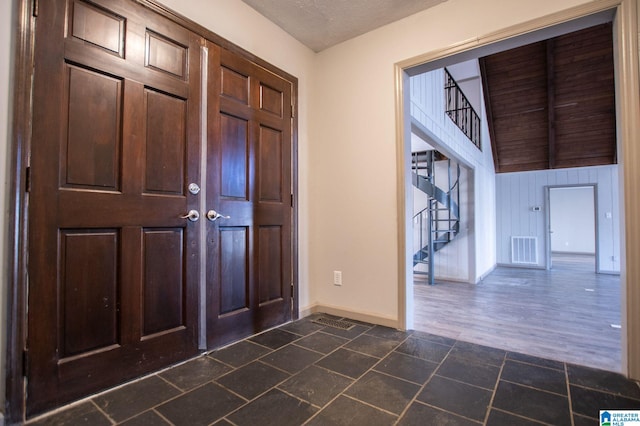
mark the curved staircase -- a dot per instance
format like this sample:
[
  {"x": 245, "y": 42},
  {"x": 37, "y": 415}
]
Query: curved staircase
[{"x": 439, "y": 222}]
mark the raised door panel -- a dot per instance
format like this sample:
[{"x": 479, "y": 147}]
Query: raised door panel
[
  {"x": 163, "y": 283},
  {"x": 234, "y": 164},
  {"x": 270, "y": 165},
  {"x": 166, "y": 55},
  {"x": 270, "y": 264},
  {"x": 234, "y": 269},
  {"x": 166, "y": 123},
  {"x": 97, "y": 26},
  {"x": 91, "y": 155},
  {"x": 89, "y": 277}
]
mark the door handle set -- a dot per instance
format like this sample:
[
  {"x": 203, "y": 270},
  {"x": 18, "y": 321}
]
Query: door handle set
[
  {"x": 212, "y": 215},
  {"x": 193, "y": 216}
]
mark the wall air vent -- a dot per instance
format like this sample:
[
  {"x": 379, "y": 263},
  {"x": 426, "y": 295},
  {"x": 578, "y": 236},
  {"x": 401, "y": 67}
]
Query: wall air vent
[{"x": 524, "y": 250}]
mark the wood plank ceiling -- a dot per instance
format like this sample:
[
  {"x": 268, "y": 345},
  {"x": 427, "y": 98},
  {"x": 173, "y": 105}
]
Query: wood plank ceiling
[{"x": 551, "y": 104}]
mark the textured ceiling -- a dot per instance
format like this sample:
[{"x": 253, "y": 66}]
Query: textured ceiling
[{"x": 320, "y": 24}]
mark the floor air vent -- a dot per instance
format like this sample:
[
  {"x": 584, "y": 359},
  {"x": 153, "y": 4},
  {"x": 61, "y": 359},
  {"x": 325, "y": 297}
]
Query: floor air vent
[{"x": 341, "y": 324}]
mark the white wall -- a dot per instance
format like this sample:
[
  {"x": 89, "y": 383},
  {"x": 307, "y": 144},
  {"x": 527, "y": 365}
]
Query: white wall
[
  {"x": 572, "y": 220},
  {"x": 517, "y": 193},
  {"x": 427, "y": 107}
]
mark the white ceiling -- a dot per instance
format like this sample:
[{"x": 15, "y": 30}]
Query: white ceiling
[{"x": 320, "y": 24}]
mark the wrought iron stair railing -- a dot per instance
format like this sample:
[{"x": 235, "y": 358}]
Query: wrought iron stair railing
[
  {"x": 459, "y": 109},
  {"x": 439, "y": 222}
]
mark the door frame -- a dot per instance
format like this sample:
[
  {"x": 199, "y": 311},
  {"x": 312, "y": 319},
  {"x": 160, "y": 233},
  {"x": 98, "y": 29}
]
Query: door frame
[
  {"x": 547, "y": 245},
  {"x": 627, "y": 75},
  {"x": 19, "y": 147}
]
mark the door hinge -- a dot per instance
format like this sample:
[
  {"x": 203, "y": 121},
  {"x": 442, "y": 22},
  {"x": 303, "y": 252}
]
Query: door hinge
[
  {"x": 292, "y": 297},
  {"x": 36, "y": 5},
  {"x": 293, "y": 111},
  {"x": 27, "y": 180},
  {"x": 25, "y": 362},
  {"x": 291, "y": 200}
]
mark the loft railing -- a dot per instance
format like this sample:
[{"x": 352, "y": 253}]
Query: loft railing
[{"x": 460, "y": 110}]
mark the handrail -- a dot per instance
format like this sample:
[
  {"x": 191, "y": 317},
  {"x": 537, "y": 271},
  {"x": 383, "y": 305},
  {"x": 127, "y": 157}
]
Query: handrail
[
  {"x": 460, "y": 110},
  {"x": 438, "y": 231}
]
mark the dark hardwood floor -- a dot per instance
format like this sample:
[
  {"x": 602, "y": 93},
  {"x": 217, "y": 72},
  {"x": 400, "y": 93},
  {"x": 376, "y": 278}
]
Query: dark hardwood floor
[{"x": 564, "y": 314}]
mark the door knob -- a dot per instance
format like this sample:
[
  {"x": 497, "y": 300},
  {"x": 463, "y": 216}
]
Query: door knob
[
  {"x": 193, "y": 215},
  {"x": 213, "y": 215}
]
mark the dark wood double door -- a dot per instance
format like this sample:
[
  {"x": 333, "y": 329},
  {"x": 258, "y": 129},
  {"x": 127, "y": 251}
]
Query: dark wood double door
[{"x": 121, "y": 100}]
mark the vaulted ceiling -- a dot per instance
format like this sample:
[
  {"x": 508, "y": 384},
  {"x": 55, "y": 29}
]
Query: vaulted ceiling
[{"x": 551, "y": 104}]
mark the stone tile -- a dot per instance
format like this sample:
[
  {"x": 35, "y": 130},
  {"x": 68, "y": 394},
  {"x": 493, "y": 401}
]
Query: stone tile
[
  {"x": 201, "y": 406},
  {"x": 389, "y": 333},
  {"x": 148, "y": 418},
  {"x": 322, "y": 342},
  {"x": 223, "y": 422},
  {"x": 383, "y": 391},
  {"x": 433, "y": 338},
  {"x": 240, "y": 353},
  {"x": 424, "y": 349},
  {"x": 407, "y": 367},
  {"x": 585, "y": 421},
  {"x": 274, "y": 408},
  {"x": 588, "y": 402},
  {"x": 346, "y": 411},
  {"x": 419, "y": 414},
  {"x": 456, "y": 397},
  {"x": 302, "y": 327},
  {"x": 291, "y": 358},
  {"x": 316, "y": 385},
  {"x": 349, "y": 363},
  {"x": 532, "y": 403},
  {"x": 482, "y": 375},
  {"x": 478, "y": 353},
  {"x": 540, "y": 362},
  {"x": 603, "y": 380},
  {"x": 252, "y": 379},
  {"x": 372, "y": 345},
  {"x": 83, "y": 414},
  {"x": 274, "y": 339},
  {"x": 195, "y": 373},
  {"x": 347, "y": 334},
  {"x": 135, "y": 398},
  {"x": 500, "y": 418},
  {"x": 534, "y": 376}
]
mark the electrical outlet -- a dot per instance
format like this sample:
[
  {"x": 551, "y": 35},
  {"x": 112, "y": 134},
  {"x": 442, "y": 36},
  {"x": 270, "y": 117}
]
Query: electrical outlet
[{"x": 337, "y": 277}]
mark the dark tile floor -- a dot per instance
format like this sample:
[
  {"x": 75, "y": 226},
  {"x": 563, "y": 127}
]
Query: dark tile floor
[{"x": 306, "y": 373}]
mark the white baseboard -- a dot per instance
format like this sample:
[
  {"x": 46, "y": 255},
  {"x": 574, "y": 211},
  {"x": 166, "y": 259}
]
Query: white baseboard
[
  {"x": 521, "y": 266},
  {"x": 348, "y": 313},
  {"x": 486, "y": 274}
]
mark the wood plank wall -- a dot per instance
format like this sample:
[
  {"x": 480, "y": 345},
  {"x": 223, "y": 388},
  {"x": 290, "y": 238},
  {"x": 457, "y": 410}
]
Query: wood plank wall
[{"x": 517, "y": 193}]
